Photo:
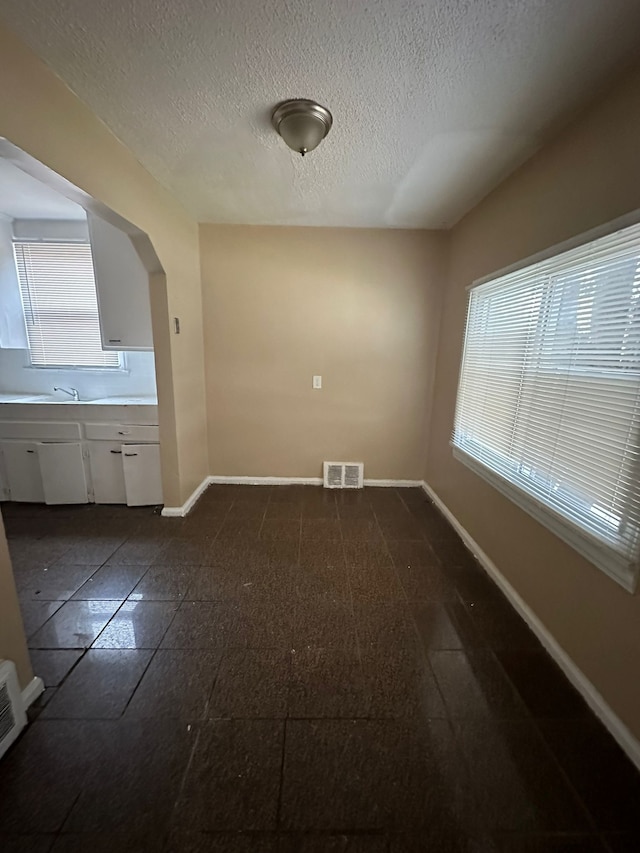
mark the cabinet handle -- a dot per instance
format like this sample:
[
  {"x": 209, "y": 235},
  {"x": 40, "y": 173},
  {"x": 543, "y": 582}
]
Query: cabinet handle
[
  {"x": 130, "y": 454},
  {"x": 115, "y": 451},
  {"x": 30, "y": 451},
  {"x": 124, "y": 431},
  {"x": 115, "y": 340}
]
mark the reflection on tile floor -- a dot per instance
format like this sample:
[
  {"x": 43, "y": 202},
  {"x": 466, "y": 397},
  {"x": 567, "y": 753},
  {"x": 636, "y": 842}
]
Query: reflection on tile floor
[{"x": 296, "y": 671}]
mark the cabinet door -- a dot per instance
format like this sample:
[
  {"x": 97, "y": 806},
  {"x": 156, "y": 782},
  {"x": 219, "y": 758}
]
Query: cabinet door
[
  {"x": 122, "y": 286},
  {"x": 141, "y": 465},
  {"x": 63, "y": 476},
  {"x": 107, "y": 473},
  {"x": 22, "y": 469}
]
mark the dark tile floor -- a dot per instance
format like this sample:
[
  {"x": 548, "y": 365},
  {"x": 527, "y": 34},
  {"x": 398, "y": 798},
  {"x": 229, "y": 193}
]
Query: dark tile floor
[{"x": 297, "y": 671}]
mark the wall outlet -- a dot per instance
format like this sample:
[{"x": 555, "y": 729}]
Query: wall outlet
[{"x": 317, "y": 383}]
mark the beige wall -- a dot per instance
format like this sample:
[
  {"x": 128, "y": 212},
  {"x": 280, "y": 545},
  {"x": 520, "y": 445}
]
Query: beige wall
[
  {"x": 587, "y": 177},
  {"x": 13, "y": 644},
  {"x": 41, "y": 115},
  {"x": 359, "y": 307}
]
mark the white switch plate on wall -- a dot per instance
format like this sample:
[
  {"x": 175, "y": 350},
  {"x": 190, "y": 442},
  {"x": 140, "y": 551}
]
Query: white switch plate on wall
[{"x": 317, "y": 383}]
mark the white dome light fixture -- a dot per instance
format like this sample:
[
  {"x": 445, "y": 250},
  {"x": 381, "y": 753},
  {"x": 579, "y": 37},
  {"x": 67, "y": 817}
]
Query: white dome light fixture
[{"x": 303, "y": 124}]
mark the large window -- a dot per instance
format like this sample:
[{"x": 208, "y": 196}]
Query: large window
[
  {"x": 548, "y": 403},
  {"x": 60, "y": 305}
]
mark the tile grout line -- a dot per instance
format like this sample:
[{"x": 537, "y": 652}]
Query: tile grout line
[
  {"x": 424, "y": 652},
  {"x": 223, "y": 653},
  {"x": 281, "y": 786},
  {"x": 60, "y": 829},
  {"x": 138, "y": 682},
  {"x": 529, "y": 717},
  {"x": 187, "y": 768},
  {"x": 355, "y": 626},
  {"x": 451, "y": 721},
  {"x": 564, "y": 775}
]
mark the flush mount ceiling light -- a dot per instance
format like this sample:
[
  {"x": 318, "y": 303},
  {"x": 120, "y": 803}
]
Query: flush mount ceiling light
[{"x": 303, "y": 124}]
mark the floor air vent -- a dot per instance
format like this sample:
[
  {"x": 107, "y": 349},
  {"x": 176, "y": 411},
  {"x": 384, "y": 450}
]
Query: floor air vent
[
  {"x": 343, "y": 475},
  {"x": 12, "y": 715}
]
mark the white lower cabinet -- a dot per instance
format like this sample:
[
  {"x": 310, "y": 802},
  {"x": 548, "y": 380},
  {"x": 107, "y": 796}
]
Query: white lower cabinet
[
  {"x": 107, "y": 473},
  {"x": 125, "y": 473},
  {"x": 22, "y": 471},
  {"x": 43, "y": 472},
  {"x": 141, "y": 465},
  {"x": 101, "y": 468},
  {"x": 62, "y": 470}
]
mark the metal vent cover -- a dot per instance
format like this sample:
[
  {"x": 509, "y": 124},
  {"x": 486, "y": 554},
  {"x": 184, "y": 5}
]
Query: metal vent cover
[
  {"x": 343, "y": 475},
  {"x": 12, "y": 715}
]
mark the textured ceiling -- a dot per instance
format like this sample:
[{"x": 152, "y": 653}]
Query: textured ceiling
[
  {"x": 434, "y": 101},
  {"x": 24, "y": 197}
]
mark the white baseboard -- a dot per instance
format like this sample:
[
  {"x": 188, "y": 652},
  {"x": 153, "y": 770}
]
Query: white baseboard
[
  {"x": 31, "y": 692},
  {"x": 390, "y": 484},
  {"x": 266, "y": 481},
  {"x": 181, "y": 511},
  {"x": 302, "y": 481},
  {"x": 620, "y": 732}
]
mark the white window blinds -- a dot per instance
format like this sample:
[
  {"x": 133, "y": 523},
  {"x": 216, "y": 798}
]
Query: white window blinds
[
  {"x": 548, "y": 405},
  {"x": 60, "y": 305}
]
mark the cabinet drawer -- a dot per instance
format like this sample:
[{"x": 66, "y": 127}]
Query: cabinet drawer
[
  {"x": 39, "y": 430},
  {"x": 121, "y": 432}
]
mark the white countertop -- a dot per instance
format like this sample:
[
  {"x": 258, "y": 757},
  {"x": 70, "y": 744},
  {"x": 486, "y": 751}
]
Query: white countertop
[{"x": 46, "y": 399}]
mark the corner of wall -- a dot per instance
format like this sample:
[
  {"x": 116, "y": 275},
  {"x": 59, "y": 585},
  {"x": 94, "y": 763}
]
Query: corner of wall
[
  {"x": 204, "y": 350},
  {"x": 13, "y": 641},
  {"x": 574, "y": 183},
  {"x": 445, "y": 273}
]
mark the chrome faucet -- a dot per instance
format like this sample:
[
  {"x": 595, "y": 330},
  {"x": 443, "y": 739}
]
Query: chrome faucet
[{"x": 72, "y": 392}]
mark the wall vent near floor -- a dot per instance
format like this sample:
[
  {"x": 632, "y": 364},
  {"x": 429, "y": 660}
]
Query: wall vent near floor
[
  {"x": 12, "y": 715},
  {"x": 343, "y": 475}
]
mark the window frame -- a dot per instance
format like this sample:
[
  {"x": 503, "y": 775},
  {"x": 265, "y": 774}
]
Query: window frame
[
  {"x": 611, "y": 563},
  {"x": 60, "y": 367}
]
